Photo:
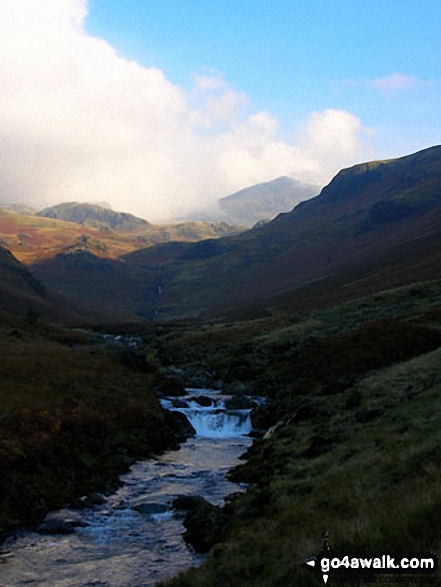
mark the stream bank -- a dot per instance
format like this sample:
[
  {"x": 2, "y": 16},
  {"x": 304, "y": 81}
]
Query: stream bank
[{"x": 134, "y": 538}]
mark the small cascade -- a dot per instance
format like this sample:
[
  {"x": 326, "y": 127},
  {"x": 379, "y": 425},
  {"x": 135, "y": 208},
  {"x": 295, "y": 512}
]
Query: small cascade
[
  {"x": 134, "y": 538},
  {"x": 209, "y": 416}
]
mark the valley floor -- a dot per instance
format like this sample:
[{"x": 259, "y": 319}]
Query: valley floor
[
  {"x": 355, "y": 390},
  {"x": 358, "y": 389}
]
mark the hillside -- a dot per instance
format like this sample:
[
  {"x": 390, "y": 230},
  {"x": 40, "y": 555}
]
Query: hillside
[
  {"x": 17, "y": 283},
  {"x": 376, "y": 225},
  {"x": 353, "y": 394},
  {"x": 265, "y": 200},
  {"x": 31, "y": 238},
  {"x": 23, "y": 295}
]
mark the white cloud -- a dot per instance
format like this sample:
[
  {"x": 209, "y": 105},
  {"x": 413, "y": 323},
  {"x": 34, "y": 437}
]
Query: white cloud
[
  {"x": 396, "y": 81},
  {"x": 80, "y": 122},
  {"x": 391, "y": 83}
]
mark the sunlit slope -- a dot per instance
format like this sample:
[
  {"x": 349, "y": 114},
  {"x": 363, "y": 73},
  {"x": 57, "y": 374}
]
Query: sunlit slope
[{"x": 32, "y": 238}]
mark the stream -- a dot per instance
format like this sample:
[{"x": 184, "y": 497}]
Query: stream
[{"x": 134, "y": 538}]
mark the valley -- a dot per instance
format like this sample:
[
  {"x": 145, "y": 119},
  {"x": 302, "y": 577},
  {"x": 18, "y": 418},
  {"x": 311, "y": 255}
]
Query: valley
[{"x": 331, "y": 312}]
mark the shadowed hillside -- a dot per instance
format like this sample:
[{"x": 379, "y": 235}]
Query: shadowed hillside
[
  {"x": 376, "y": 225},
  {"x": 22, "y": 294}
]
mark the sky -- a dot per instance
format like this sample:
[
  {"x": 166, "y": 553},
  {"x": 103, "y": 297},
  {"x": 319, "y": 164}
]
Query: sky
[{"x": 160, "y": 107}]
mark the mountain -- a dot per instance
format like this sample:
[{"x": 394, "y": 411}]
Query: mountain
[
  {"x": 265, "y": 200},
  {"x": 375, "y": 226},
  {"x": 32, "y": 238},
  {"x": 94, "y": 216}
]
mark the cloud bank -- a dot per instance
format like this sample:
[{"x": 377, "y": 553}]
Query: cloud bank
[{"x": 80, "y": 122}]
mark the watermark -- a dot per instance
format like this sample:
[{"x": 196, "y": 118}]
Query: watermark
[{"x": 371, "y": 566}]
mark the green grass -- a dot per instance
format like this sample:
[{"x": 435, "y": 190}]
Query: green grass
[
  {"x": 361, "y": 456},
  {"x": 376, "y": 487}
]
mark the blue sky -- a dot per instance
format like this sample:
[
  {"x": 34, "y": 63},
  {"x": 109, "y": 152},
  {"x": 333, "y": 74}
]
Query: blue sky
[
  {"x": 294, "y": 56},
  {"x": 161, "y": 107}
]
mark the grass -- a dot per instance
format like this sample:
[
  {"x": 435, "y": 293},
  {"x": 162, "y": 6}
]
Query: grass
[
  {"x": 376, "y": 487},
  {"x": 71, "y": 413},
  {"x": 361, "y": 456},
  {"x": 32, "y": 238}
]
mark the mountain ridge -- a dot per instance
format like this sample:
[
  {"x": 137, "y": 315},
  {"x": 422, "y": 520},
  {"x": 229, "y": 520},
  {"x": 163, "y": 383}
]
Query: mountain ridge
[
  {"x": 94, "y": 215},
  {"x": 349, "y": 240},
  {"x": 332, "y": 235}
]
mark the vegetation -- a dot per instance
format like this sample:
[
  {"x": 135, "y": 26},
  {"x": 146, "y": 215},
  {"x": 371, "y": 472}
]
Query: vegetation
[
  {"x": 358, "y": 387},
  {"x": 32, "y": 238},
  {"x": 327, "y": 311},
  {"x": 73, "y": 414}
]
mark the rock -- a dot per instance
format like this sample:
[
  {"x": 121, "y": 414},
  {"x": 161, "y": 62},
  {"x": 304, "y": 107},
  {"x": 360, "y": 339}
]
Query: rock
[
  {"x": 151, "y": 508},
  {"x": 89, "y": 501},
  {"x": 60, "y": 523},
  {"x": 288, "y": 419},
  {"x": 240, "y": 403},
  {"x": 203, "y": 523},
  {"x": 187, "y": 502},
  {"x": 179, "y": 403},
  {"x": 180, "y": 425},
  {"x": 264, "y": 416},
  {"x": 202, "y": 400}
]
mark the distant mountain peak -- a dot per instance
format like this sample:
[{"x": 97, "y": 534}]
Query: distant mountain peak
[
  {"x": 264, "y": 201},
  {"x": 95, "y": 216}
]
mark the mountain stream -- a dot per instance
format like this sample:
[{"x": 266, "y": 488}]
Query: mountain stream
[{"x": 134, "y": 538}]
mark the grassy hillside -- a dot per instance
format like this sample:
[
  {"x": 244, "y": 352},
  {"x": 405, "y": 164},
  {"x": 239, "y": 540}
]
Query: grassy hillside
[
  {"x": 32, "y": 238},
  {"x": 374, "y": 226},
  {"x": 357, "y": 387},
  {"x": 95, "y": 216},
  {"x": 73, "y": 413}
]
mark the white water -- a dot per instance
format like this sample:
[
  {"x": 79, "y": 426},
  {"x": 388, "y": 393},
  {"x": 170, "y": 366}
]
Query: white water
[
  {"x": 119, "y": 546},
  {"x": 213, "y": 421}
]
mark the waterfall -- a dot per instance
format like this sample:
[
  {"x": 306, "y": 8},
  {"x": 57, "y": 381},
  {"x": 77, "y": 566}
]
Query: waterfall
[
  {"x": 133, "y": 538},
  {"x": 214, "y": 420}
]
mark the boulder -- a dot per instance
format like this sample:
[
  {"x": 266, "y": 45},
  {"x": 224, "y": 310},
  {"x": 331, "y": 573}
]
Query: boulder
[
  {"x": 187, "y": 502},
  {"x": 240, "y": 402},
  {"x": 60, "y": 523},
  {"x": 179, "y": 403},
  {"x": 151, "y": 508},
  {"x": 88, "y": 501},
  {"x": 203, "y": 522},
  {"x": 180, "y": 425}
]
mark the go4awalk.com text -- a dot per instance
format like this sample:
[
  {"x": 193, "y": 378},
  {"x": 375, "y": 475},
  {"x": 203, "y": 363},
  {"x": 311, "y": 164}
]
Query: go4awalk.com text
[{"x": 369, "y": 565}]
